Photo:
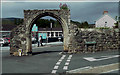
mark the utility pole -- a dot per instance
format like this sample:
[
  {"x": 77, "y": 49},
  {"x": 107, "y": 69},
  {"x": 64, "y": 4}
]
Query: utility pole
[{"x": 51, "y": 28}]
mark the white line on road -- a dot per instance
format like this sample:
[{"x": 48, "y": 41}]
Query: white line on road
[
  {"x": 65, "y": 67},
  {"x": 93, "y": 59},
  {"x": 64, "y": 56},
  {"x": 77, "y": 70},
  {"x": 56, "y": 67},
  {"x": 99, "y": 69},
  {"x": 54, "y": 71},
  {"x": 111, "y": 71},
  {"x": 60, "y": 53},
  {"x": 60, "y": 60},
  {"x": 68, "y": 60},
  {"x": 70, "y": 55},
  {"x": 67, "y": 63},
  {"x": 58, "y": 63}
]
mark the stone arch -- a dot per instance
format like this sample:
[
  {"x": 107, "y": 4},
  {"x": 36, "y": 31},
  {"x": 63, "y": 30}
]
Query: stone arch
[{"x": 62, "y": 16}]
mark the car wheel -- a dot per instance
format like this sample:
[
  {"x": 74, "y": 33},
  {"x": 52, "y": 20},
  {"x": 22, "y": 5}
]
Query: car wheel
[{"x": 1, "y": 45}]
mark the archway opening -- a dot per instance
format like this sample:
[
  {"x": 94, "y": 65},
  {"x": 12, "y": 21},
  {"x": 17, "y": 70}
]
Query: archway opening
[{"x": 50, "y": 28}]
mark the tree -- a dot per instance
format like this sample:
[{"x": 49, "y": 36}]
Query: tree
[
  {"x": 45, "y": 23},
  {"x": 118, "y": 21}
]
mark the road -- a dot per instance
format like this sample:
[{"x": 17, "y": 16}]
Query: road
[{"x": 52, "y": 60}]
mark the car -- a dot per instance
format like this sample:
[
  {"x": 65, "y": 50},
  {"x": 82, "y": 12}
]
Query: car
[
  {"x": 8, "y": 39},
  {"x": 34, "y": 40},
  {"x": 3, "y": 42}
]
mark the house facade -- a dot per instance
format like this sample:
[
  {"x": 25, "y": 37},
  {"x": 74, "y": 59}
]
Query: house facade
[
  {"x": 105, "y": 21},
  {"x": 46, "y": 33}
]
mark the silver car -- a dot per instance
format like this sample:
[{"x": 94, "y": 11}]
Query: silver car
[{"x": 3, "y": 42}]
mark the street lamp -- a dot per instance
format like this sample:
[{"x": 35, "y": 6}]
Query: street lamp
[{"x": 51, "y": 28}]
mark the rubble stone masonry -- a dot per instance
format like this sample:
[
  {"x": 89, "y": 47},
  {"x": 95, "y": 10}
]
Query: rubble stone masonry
[{"x": 93, "y": 40}]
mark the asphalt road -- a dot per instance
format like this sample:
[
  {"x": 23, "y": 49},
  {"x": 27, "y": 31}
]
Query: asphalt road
[{"x": 51, "y": 60}]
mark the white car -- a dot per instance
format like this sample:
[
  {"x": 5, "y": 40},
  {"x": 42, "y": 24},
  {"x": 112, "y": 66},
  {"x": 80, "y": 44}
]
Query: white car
[
  {"x": 3, "y": 42},
  {"x": 34, "y": 40}
]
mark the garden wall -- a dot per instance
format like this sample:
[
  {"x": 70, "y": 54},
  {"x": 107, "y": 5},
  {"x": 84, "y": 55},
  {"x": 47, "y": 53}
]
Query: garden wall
[{"x": 93, "y": 40}]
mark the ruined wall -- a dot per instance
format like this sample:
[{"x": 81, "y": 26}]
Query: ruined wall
[
  {"x": 18, "y": 40},
  {"x": 21, "y": 35},
  {"x": 106, "y": 39}
]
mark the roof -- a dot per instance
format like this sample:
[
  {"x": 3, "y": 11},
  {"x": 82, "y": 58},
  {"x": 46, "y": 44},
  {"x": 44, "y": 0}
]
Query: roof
[
  {"x": 49, "y": 29},
  {"x": 104, "y": 15}
]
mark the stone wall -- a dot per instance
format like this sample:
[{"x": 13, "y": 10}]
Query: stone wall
[
  {"x": 104, "y": 39},
  {"x": 21, "y": 35},
  {"x": 17, "y": 40}
]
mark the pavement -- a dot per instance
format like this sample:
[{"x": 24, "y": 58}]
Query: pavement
[
  {"x": 50, "y": 44},
  {"x": 49, "y": 60}
]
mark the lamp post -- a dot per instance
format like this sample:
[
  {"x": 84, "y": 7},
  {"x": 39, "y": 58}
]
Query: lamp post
[{"x": 51, "y": 28}]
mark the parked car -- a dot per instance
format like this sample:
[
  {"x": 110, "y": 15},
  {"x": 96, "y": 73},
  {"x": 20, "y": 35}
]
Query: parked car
[
  {"x": 8, "y": 39},
  {"x": 3, "y": 42},
  {"x": 34, "y": 40}
]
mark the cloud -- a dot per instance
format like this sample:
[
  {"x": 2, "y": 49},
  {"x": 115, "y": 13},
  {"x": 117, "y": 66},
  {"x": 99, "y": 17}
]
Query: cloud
[
  {"x": 80, "y": 11},
  {"x": 67, "y": 0}
]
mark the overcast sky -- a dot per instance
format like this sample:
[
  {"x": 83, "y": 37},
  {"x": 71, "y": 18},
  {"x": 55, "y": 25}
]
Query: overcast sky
[{"x": 80, "y": 11}]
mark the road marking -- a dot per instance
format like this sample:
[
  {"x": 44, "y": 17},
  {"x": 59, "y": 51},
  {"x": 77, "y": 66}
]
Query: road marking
[
  {"x": 68, "y": 60},
  {"x": 90, "y": 59},
  {"x": 58, "y": 63},
  {"x": 56, "y": 67},
  {"x": 60, "y": 53},
  {"x": 70, "y": 55},
  {"x": 60, "y": 60},
  {"x": 63, "y": 55},
  {"x": 97, "y": 69},
  {"x": 67, "y": 63},
  {"x": 93, "y": 59},
  {"x": 77, "y": 70},
  {"x": 54, "y": 71},
  {"x": 110, "y": 71},
  {"x": 65, "y": 67}
]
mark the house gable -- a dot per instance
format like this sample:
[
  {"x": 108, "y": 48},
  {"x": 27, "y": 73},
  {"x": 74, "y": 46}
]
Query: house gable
[{"x": 105, "y": 21}]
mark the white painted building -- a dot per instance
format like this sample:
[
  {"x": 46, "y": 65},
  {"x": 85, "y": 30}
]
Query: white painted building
[{"x": 105, "y": 21}]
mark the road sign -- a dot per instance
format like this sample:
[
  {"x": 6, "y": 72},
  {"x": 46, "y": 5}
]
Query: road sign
[{"x": 35, "y": 28}]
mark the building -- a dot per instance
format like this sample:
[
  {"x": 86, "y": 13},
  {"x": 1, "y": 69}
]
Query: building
[
  {"x": 6, "y": 30},
  {"x": 49, "y": 34},
  {"x": 45, "y": 32},
  {"x": 54, "y": 32},
  {"x": 105, "y": 21}
]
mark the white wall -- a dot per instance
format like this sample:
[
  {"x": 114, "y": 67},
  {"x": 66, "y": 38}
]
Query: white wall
[{"x": 106, "y": 18}]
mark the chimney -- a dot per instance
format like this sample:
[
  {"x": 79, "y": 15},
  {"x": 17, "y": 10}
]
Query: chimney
[{"x": 105, "y": 12}]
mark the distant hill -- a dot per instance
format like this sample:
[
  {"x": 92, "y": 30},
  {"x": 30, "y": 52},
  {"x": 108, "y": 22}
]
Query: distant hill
[
  {"x": 11, "y": 21},
  {"x": 41, "y": 23},
  {"x": 12, "y": 18}
]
